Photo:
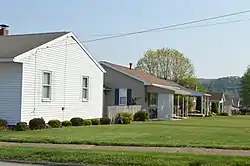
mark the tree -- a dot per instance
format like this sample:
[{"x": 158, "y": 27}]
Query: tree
[
  {"x": 193, "y": 83},
  {"x": 166, "y": 63},
  {"x": 245, "y": 91}
]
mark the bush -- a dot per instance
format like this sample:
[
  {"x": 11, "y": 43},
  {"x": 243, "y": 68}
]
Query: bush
[
  {"x": 54, "y": 123},
  {"x": 3, "y": 123},
  {"x": 21, "y": 126},
  {"x": 223, "y": 114},
  {"x": 66, "y": 123},
  {"x": 95, "y": 121},
  {"x": 105, "y": 121},
  {"x": 141, "y": 116},
  {"x": 77, "y": 121},
  {"x": 87, "y": 122},
  {"x": 215, "y": 107},
  {"x": 37, "y": 123},
  {"x": 124, "y": 118}
]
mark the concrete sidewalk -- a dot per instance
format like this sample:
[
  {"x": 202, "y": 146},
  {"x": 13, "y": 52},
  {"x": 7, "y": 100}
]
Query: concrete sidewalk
[{"x": 134, "y": 148}]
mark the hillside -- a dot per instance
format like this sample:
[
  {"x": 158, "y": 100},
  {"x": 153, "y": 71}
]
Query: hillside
[{"x": 229, "y": 85}]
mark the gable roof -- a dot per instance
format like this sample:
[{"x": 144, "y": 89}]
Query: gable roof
[
  {"x": 152, "y": 80},
  {"x": 216, "y": 96},
  {"x": 14, "y": 45},
  {"x": 139, "y": 75}
]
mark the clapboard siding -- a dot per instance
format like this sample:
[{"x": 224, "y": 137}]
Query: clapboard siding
[
  {"x": 68, "y": 63},
  {"x": 10, "y": 92}
]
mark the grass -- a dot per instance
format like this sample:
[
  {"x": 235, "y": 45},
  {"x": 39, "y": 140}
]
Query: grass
[
  {"x": 123, "y": 158},
  {"x": 212, "y": 132}
]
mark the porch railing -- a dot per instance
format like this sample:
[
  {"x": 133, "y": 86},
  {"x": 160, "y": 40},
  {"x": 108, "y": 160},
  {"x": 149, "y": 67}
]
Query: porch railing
[{"x": 112, "y": 111}]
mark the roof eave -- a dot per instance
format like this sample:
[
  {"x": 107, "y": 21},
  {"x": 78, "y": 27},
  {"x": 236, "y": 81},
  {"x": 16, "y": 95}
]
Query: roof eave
[
  {"x": 6, "y": 59},
  {"x": 125, "y": 73}
]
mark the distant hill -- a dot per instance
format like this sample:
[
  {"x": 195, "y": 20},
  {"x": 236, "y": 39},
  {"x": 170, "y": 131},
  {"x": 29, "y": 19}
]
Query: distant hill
[{"x": 230, "y": 85}]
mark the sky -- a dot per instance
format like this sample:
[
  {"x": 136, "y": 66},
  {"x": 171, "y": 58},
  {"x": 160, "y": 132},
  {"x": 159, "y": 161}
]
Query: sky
[{"x": 215, "y": 51}]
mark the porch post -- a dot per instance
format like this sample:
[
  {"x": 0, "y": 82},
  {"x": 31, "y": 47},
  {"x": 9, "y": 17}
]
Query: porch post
[
  {"x": 183, "y": 105},
  {"x": 178, "y": 105},
  {"x": 219, "y": 107},
  {"x": 201, "y": 105},
  {"x": 187, "y": 107},
  {"x": 205, "y": 105},
  {"x": 222, "y": 106},
  {"x": 208, "y": 106}
]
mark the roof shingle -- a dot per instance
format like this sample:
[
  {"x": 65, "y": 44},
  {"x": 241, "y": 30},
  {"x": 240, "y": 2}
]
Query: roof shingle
[
  {"x": 143, "y": 76},
  {"x": 215, "y": 96},
  {"x": 14, "y": 45}
]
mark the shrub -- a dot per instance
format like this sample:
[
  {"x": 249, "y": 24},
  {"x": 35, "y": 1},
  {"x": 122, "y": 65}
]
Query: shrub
[
  {"x": 54, "y": 123},
  {"x": 95, "y": 121},
  {"x": 37, "y": 123},
  {"x": 87, "y": 122},
  {"x": 3, "y": 123},
  {"x": 215, "y": 107},
  {"x": 105, "y": 121},
  {"x": 77, "y": 121},
  {"x": 66, "y": 123},
  {"x": 21, "y": 126},
  {"x": 141, "y": 116},
  {"x": 126, "y": 118},
  {"x": 223, "y": 114}
]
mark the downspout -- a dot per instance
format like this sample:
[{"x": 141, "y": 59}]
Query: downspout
[
  {"x": 34, "y": 95},
  {"x": 65, "y": 74}
]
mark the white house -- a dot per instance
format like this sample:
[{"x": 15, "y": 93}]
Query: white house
[{"x": 49, "y": 75}]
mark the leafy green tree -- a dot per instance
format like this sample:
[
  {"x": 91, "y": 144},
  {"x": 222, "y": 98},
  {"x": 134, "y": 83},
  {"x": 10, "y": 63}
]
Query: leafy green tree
[
  {"x": 193, "y": 83},
  {"x": 166, "y": 63},
  {"x": 245, "y": 91}
]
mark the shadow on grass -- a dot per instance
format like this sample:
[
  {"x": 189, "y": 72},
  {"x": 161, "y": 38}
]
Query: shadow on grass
[
  {"x": 212, "y": 126},
  {"x": 203, "y": 163}
]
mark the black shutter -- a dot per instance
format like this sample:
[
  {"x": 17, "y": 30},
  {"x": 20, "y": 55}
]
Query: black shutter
[
  {"x": 116, "y": 96},
  {"x": 129, "y": 96}
]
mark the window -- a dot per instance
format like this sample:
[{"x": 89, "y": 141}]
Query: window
[
  {"x": 122, "y": 96},
  {"x": 153, "y": 99},
  {"x": 46, "y": 85},
  {"x": 85, "y": 88}
]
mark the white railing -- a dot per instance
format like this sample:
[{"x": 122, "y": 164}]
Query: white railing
[{"x": 114, "y": 110}]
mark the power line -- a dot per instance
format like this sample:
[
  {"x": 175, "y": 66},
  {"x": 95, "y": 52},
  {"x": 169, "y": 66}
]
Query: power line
[
  {"x": 173, "y": 29},
  {"x": 190, "y": 27},
  {"x": 169, "y": 26}
]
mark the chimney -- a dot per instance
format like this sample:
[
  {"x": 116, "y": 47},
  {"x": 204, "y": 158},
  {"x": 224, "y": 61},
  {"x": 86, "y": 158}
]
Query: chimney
[
  {"x": 4, "y": 30},
  {"x": 130, "y": 65}
]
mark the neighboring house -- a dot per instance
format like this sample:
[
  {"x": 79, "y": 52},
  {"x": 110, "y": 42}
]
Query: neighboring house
[
  {"x": 219, "y": 99},
  {"x": 48, "y": 75},
  {"x": 231, "y": 103},
  {"x": 128, "y": 86}
]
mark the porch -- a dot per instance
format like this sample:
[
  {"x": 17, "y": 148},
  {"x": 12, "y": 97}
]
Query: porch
[{"x": 173, "y": 102}]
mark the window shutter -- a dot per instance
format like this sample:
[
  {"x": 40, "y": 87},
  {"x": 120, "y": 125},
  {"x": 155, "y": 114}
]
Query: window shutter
[
  {"x": 129, "y": 96},
  {"x": 116, "y": 96},
  {"x": 148, "y": 99}
]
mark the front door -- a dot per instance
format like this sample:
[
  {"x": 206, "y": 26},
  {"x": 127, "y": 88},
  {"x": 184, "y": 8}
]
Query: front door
[{"x": 152, "y": 104}]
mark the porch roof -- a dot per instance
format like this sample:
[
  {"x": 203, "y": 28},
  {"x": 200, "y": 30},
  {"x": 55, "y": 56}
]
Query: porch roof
[
  {"x": 176, "y": 90},
  {"x": 182, "y": 90}
]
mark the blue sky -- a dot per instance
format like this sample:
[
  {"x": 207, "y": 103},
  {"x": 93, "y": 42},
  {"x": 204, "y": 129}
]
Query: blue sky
[{"x": 216, "y": 51}]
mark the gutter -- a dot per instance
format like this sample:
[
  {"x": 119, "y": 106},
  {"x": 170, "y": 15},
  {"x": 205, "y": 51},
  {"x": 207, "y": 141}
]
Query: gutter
[{"x": 6, "y": 60}]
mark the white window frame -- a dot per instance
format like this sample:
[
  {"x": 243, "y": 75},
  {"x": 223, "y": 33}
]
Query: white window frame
[
  {"x": 150, "y": 97},
  {"x": 123, "y": 96},
  {"x": 45, "y": 99},
  {"x": 86, "y": 88}
]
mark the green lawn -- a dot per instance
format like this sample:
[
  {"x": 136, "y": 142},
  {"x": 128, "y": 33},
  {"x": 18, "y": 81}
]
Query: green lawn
[
  {"x": 123, "y": 158},
  {"x": 216, "y": 132}
]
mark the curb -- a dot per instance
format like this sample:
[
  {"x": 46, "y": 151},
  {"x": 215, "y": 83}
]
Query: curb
[{"x": 43, "y": 163}]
